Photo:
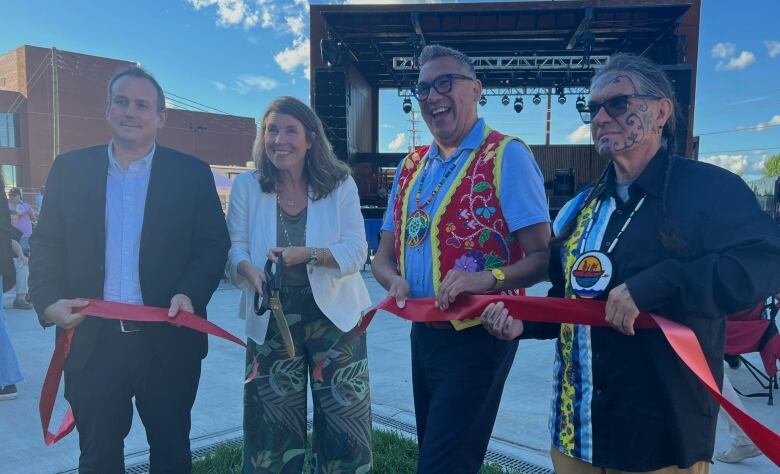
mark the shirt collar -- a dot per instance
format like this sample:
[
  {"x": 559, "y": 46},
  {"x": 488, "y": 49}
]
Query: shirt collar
[
  {"x": 146, "y": 160},
  {"x": 472, "y": 141},
  {"x": 650, "y": 181}
]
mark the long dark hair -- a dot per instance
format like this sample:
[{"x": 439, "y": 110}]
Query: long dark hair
[
  {"x": 323, "y": 171},
  {"x": 649, "y": 79}
]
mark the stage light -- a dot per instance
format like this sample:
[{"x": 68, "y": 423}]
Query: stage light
[
  {"x": 561, "y": 95},
  {"x": 519, "y": 105},
  {"x": 537, "y": 99},
  {"x": 483, "y": 100},
  {"x": 505, "y": 100},
  {"x": 580, "y": 104},
  {"x": 407, "y": 105}
]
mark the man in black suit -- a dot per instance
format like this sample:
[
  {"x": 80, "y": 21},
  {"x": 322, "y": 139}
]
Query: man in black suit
[{"x": 137, "y": 223}]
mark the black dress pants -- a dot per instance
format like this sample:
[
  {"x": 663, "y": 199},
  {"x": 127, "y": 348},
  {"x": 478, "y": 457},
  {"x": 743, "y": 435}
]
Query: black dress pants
[
  {"x": 123, "y": 366},
  {"x": 458, "y": 378}
]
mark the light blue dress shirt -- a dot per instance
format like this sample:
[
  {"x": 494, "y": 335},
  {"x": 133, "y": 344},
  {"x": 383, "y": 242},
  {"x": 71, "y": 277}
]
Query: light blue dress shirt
[
  {"x": 125, "y": 201},
  {"x": 522, "y": 199}
]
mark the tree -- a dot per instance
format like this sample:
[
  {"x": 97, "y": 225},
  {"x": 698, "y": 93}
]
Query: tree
[{"x": 772, "y": 166}]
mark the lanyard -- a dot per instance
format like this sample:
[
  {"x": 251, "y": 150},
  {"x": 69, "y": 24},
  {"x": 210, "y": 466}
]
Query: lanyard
[{"x": 586, "y": 233}]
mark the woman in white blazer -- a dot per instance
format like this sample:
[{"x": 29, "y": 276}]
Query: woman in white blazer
[{"x": 302, "y": 204}]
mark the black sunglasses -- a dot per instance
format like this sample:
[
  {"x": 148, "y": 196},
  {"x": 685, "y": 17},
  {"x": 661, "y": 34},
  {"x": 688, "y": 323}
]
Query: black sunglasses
[
  {"x": 615, "y": 106},
  {"x": 442, "y": 85}
]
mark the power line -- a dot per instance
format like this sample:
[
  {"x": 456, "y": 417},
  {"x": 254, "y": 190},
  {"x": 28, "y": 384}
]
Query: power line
[
  {"x": 736, "y": 130},
  {"x": 739, "y": 151}
]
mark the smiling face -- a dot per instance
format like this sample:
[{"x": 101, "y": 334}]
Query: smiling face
[
  {"x": 633, "y": 133},
  {"x": 286, "y": 142},
  {"x": 449, "y": 116},
  {"x": 133, "y": 114}
]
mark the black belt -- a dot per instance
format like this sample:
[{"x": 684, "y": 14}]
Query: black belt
[
  {"x": 442, "y": 325},
  {"x": 124, "y": 326}
]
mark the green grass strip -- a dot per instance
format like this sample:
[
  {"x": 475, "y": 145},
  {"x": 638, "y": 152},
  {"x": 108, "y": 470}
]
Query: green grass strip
[{"x": 394, "y": 453}]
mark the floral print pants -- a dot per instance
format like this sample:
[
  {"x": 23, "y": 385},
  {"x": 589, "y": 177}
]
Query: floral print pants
[{"x": 275, "y": 400}]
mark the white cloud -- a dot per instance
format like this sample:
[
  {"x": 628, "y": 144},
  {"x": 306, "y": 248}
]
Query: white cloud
[
  {"x": 247, "y": 83},
  {"x": 580, "y": 135},
  {"x": 773, "y": 48},
  {"x": 737, "y": 164},
  {"x": 230, "y": 12},
  {"x": 297, "y": 25},
  {"x": 758, "y": 166},
  {"x": 745, "y": 59},
  {"x": 723, "y": 50},
  {"x": 773, "y": 122},
  {"x": 397, "y": 142},
  {"x": 220, "y": 86},
  {"x": 286, "y": 18},
  {"x": 169, "y": 104},
  {"x": 386, "y": 125},
  {"x": 295, "y": 56}
]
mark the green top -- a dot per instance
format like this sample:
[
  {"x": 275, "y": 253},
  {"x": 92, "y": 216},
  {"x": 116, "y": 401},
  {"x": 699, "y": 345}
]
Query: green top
[{"x": 296, "y": 233}]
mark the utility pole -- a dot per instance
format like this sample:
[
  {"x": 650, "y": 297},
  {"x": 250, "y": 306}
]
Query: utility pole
[
  {"x": 414, "y": 137},
  {"x": 549, "y": 117},
  {"x": 55, "y": 112}
]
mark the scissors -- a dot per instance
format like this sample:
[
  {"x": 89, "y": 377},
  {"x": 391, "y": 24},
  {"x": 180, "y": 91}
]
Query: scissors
[{"x": 271, "y": 301}]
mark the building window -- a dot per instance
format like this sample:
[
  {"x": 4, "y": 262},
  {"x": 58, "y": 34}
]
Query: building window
[
  {"x": 9, "y": 176},
  {"x": 9, "y": 130}
]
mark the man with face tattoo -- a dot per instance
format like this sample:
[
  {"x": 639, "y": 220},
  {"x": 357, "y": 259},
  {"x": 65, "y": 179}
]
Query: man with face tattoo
[{"x": 657, "y": 233}]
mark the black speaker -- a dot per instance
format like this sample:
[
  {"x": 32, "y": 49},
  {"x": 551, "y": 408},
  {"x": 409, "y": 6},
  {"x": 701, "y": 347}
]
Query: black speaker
[{"x": 563, "y": 183}]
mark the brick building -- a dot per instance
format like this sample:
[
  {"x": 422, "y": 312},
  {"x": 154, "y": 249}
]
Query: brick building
[{"x": 44, "y": 114}]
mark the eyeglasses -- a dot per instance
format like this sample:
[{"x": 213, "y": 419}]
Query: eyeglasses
[
  {"x": 442, "y": 85},
  {"x": 615, "y": 106}
]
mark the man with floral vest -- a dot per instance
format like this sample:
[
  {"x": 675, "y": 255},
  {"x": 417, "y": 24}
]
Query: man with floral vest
[{"x": 467, "y": 214}]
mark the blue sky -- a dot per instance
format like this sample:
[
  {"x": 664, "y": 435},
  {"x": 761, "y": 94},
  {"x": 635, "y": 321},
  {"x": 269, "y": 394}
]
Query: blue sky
[{"x": 237, "y": 55}]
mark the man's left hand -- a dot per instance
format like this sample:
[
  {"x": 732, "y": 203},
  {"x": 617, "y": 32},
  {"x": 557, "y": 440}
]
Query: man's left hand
[
  {"x": 457, "y": 282},
  {"x": 180, "y": 302},
  {"x": 621, "y": 310}
]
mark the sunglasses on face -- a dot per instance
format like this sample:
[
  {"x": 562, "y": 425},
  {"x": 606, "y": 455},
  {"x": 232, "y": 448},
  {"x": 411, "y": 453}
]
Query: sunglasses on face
[
  {"x": 615, "y": 106},
  {"x": 442, "y": 85}
]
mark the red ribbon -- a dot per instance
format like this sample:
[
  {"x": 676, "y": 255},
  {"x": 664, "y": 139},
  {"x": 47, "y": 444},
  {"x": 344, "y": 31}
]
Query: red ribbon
[
  {"x": 554, "y": 310},
  {"x": 586, "y": 312},
  {"x": 111, "y": 310}
]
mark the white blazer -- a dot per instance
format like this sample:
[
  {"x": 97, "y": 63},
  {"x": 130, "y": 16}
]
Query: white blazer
[{"x": 333, "y": 222}]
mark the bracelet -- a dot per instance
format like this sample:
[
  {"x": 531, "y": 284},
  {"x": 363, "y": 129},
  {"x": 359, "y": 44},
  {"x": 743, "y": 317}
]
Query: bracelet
[{"x": 313, "y": 258}]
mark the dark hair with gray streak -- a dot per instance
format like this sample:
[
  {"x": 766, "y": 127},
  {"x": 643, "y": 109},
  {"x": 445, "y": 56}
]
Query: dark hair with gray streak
[
  {"x": 139, "y": 73},
  {"x": 436, "y": 51}
]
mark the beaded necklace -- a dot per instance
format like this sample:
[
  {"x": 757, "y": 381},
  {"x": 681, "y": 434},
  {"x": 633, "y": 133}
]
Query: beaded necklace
[{"x": 418, "y": 224}]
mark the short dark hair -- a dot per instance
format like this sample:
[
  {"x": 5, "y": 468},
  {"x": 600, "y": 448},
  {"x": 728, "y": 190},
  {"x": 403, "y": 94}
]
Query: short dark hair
[
  {"x": 140, "y": 73},
  {"x": 15, "y": 192}
]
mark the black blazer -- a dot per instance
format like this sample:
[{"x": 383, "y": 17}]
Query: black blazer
[{"x": 184, "y": 244}]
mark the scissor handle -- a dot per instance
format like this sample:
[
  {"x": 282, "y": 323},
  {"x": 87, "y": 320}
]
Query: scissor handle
[{"x": 273, "y": 281}]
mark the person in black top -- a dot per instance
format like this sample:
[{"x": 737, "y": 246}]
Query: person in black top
[{"x": 657, "y": 233}]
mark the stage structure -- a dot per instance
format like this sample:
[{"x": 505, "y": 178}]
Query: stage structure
[{"x": 523, "y": 51}]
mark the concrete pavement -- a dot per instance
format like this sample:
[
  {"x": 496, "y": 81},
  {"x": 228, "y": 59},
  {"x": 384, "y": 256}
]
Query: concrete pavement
[{"x": 521, "y": 428}]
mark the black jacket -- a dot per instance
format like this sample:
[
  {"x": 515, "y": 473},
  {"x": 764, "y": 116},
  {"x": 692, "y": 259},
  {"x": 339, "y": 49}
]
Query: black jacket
[
  {"x": 184, "y": 244},
  {"x": 7, "y": 233},
  {"x": 647, "y": 409}
]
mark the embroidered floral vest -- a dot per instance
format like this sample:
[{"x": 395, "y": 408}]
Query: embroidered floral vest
[{"x": 468, "y": 231}]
